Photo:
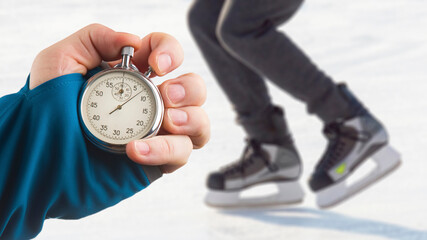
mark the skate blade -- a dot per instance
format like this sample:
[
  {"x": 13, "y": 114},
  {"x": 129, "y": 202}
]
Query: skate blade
[
  {"x": 386, "y": 159},
  {"x": 287, "y": 193}
]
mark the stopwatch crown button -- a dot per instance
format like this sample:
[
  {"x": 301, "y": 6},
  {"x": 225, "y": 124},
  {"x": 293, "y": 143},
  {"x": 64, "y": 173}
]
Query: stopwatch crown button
[{"x": 128, "y": 50}]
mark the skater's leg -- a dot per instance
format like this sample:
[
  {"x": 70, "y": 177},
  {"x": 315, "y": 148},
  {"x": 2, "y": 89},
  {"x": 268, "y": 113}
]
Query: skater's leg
[
  {"x": 244, "y": 87},
  {"x": 270, "y": 155},
  {"x": 248, "y": 30}
]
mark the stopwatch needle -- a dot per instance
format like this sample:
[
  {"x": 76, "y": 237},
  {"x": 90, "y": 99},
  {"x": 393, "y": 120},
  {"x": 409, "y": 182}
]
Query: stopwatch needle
[
  {"x": 121, "y": 90},
  {"x": 120, "y": 106},
  {"x": 117, "y": 108}
]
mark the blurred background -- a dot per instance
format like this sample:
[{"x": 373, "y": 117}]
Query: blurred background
[{"x": 378, "y": 47}]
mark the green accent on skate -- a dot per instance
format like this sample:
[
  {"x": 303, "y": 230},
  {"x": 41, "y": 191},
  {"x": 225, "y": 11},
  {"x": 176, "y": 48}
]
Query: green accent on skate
[{"x": 341, "y": 168}]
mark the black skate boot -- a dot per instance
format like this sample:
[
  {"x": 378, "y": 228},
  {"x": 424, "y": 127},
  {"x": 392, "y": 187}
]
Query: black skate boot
[
  {"x": 275, "y": 161},
  {"x": 351, "y": 143}
]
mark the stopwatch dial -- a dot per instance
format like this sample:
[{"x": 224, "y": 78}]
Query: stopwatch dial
[{"x": 119, "y": 107}]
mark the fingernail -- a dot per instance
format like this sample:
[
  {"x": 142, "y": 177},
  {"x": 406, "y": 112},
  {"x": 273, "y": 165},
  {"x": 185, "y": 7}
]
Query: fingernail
[
  {"x": 175, "y": 93},
  {"x": 142, "y": 148},
  {"x": 178, "y": 117},
  {"x": 164, "y": 63}
]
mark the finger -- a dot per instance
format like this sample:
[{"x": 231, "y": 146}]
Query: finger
[
  {"x": 169, "y": 152},
  {"x": 185, "y": 90},
  {"x": 160, "y": 51},
  {"x": 81, "y": 51},
  {"x": 96, "y": 42},
  {"x": 190, "y": 121}
]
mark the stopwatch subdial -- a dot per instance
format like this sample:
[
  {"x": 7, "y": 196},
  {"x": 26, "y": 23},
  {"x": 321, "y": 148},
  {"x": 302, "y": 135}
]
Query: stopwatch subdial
[{"x": 121, "y": 91}]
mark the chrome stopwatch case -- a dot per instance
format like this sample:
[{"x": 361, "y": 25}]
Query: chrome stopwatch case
[{"x": 119, "y": 105}]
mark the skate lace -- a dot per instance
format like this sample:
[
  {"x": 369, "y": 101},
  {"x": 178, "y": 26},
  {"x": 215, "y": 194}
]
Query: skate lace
[
  {"x": 336, "y": 135},
  {"x": 250, "y": 153}
]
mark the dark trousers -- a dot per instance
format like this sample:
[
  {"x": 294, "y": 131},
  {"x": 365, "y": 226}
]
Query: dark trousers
[{"x": 242, "y": 46}]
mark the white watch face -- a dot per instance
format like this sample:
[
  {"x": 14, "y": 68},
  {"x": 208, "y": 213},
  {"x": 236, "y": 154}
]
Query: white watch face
[{"x": 118, "y": 106}]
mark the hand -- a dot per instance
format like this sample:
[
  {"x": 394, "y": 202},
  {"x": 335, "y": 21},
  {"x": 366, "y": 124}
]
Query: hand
[{"x": 185, "y": 125}]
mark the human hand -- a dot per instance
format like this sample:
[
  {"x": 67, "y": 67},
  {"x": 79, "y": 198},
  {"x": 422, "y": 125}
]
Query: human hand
[{"x": 185, "y": 125}]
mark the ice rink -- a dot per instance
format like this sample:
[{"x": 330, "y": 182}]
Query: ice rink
[{"x": 378, "y": 47}]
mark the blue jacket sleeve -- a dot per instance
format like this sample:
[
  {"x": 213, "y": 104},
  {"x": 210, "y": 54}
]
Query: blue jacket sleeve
[{"x": 47, "y": 167}]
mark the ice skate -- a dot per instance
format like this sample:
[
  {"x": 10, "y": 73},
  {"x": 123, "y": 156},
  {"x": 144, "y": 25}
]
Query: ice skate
[
  {"x": 260, "y": 164},
  {"x": 351, "y": 144}
]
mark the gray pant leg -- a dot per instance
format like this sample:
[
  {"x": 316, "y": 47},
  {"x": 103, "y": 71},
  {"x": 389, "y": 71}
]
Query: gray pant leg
[
  {"x": 245, "y": 88},
  {"x": 248, "y": 30}
]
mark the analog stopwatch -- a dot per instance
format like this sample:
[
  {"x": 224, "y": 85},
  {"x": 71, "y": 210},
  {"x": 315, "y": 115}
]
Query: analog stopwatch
[{"x": 120, "y": 104}]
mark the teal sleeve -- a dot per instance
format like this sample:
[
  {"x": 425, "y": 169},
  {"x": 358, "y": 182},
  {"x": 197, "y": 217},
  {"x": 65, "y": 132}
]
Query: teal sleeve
[{"x": 48, "y": 169}]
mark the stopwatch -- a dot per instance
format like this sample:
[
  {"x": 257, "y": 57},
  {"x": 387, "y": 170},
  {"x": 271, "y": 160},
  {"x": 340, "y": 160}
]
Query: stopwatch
[{"x": 120, "y": 104}]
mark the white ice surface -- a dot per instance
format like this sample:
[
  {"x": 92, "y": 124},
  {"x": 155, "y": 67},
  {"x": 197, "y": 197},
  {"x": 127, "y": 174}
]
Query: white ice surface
[{"x": 378, "y": 47}]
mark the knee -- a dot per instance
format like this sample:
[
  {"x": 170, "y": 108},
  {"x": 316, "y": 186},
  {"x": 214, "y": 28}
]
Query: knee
[{"x": 287, "y": 11}]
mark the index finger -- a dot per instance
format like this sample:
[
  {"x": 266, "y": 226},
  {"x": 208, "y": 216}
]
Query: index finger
[{"x": 161, "y": 51}]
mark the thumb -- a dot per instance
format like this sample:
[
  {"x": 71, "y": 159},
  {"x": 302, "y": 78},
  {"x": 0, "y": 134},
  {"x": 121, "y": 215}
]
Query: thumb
[{"x": 79, "y": 52}]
